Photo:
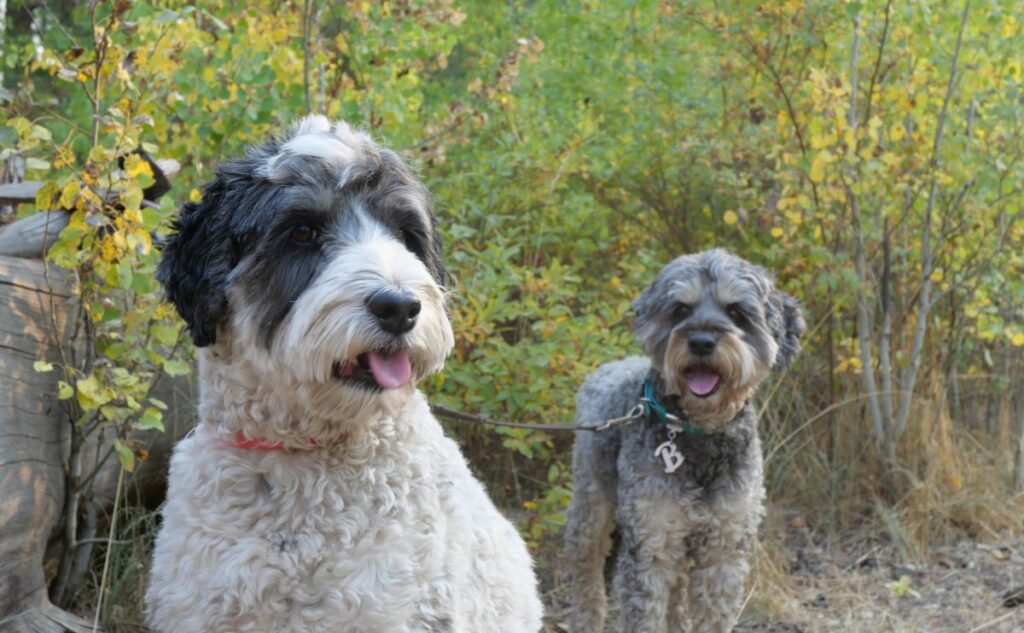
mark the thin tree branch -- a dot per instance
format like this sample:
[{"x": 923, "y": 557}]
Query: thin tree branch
[{"x": 927, "y": 256}]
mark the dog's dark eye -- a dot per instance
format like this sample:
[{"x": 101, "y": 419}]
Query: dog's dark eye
[
  {"x": 682, "y": 311},
  {"x": 735, "y": 312},
  {"x": 413, "y": 241},
  {"x": 304, "y": 234}
]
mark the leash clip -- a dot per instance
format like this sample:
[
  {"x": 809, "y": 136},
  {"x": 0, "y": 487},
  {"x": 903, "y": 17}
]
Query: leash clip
[{"x": 637, "y": 412}]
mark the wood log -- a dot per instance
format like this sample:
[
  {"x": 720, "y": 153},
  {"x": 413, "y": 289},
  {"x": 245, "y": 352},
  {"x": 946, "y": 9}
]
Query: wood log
[
  {"x": 19, "y": 192},
  {"x": 35, "y": 440},
  {"x": 31, "y": 237}
]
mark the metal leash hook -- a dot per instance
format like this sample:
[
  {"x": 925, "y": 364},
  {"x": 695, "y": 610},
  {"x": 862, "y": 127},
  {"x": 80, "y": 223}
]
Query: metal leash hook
[{"x": 637, "y": 412}]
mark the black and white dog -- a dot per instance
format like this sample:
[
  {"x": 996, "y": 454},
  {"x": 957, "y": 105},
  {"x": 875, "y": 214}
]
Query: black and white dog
[{"x": 318, "y": 493}]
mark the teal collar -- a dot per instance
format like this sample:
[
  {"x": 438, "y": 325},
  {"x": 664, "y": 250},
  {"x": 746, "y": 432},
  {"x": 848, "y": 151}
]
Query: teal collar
[{"x": 653, "y": 408}]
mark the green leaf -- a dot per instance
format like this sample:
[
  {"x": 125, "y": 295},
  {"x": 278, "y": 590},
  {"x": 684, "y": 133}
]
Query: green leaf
[
  {"x": 115, "y": 414},
  {"x": 42, "y": 366},
  {"x": 124, "y": 274},
  {"x": 151, "y": 418},
  {"x": 64, "y": 390},
  {"x": 164, "y": 334},
  {"x": 176, "y": 367},
  {"x": 124, "y": 455}
]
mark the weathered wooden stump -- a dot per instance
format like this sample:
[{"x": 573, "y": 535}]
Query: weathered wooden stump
[{"x": 36, "y": 308}]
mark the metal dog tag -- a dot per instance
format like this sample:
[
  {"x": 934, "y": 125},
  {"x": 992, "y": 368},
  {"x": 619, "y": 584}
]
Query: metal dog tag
[{"x": 669, "y": 454}]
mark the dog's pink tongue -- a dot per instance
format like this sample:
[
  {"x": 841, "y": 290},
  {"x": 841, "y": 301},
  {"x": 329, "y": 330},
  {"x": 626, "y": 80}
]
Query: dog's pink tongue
[
  {"x": 701, "y": 381},
  {"x": 391, "y": 371}
]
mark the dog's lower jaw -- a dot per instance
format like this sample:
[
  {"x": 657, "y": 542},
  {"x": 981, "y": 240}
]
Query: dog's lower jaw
[
  {"x": 712, "y": 413},
  {"x": 237, "y": 397}
]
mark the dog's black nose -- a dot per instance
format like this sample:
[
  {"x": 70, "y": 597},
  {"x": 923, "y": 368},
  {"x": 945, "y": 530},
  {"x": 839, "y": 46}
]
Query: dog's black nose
[
  {"x": 701, "y": 343},
  {"x": 395, "y": 312}
]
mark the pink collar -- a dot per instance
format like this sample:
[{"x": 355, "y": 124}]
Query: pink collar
[{"x": 256, "y": 444}]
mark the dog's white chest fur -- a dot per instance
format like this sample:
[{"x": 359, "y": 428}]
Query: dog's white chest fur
[{"x": 392, "y": 534}]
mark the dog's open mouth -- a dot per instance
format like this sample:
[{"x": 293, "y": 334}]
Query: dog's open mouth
[
  {"x": 702, "y": 381},
  {"x": 378, "y": 369}
]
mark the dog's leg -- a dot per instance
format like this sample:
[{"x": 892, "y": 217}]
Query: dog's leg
[
  {"x": 679, "y": 604},
  {"x": 649, "y": 565},
  {"x": 721, "y": 563},
  {"x": 588, "y": 532}
]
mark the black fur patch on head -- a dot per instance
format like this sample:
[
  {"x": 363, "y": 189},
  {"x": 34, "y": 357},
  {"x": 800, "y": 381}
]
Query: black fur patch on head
[{"x": 209, "y": 239}]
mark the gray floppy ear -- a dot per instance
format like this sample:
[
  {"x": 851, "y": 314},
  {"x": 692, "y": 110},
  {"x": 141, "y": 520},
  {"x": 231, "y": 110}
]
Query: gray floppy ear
[
  {"x": 788, "y": 326},
  {"x": 642, "y": 311},
  {"x": 646, "y": 326}
]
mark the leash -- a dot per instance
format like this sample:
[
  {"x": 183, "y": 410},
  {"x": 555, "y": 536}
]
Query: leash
[
  {"x": 647, "y": 405},
  {"x": 637, "y": 412}
]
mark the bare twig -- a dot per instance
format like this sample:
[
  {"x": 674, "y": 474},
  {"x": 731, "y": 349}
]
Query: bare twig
[
  {"x": 307, "y": 14},
  {"x": 927, "y": 256},
  {"x": 106, "y": 559}
]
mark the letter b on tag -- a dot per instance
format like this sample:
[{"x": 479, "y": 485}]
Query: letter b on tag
[{"x": 669, "y": 454}]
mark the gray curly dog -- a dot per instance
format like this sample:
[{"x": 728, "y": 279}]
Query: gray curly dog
[{"x": 683, "y": 485}]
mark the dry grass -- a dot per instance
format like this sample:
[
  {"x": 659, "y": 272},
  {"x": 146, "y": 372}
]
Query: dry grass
[
  {"x": 951, "y": 482},
  {"x": 126, "y": 577}
]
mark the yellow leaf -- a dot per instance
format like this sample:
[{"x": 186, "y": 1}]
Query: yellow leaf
[
  {"x": 1018, "y": 339},
  {"x": 195, "y": 195},
  {"x": 42, "y": 366},
  {"x": 108, "y": 251},
  {"x": 90, "y": 394},
  {"x": 850, "y": 138},
  {"x": 133, "y": 215},
  {"x": 1009, "y": 26},
  {"x": 730, "y": 217},
  {"x": 873, "y": 125},
  {"x": 776, "y": 232},
  {"x": 135, "y": 166},
  {"x": 821, "y": 161},
  {"x": 69, "y": 194},
  {"x": 898, "y": 132},
  {"x": 936, "y": 276}
]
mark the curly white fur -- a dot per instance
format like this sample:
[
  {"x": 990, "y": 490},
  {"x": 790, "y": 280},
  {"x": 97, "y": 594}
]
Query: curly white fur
[{"x": 389, "y": 533}]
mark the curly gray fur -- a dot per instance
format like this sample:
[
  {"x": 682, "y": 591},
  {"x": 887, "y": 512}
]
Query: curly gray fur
[{"x": 685, "y": 535}]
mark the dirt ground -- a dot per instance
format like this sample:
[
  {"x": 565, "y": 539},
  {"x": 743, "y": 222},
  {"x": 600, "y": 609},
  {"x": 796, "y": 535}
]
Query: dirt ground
[{"x": 800, "y": 586}]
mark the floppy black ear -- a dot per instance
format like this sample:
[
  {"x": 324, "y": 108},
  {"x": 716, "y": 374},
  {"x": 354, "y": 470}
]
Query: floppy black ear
[
  {"x": 195, "y": 264},
  {"x": 788, "y": 327}
]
